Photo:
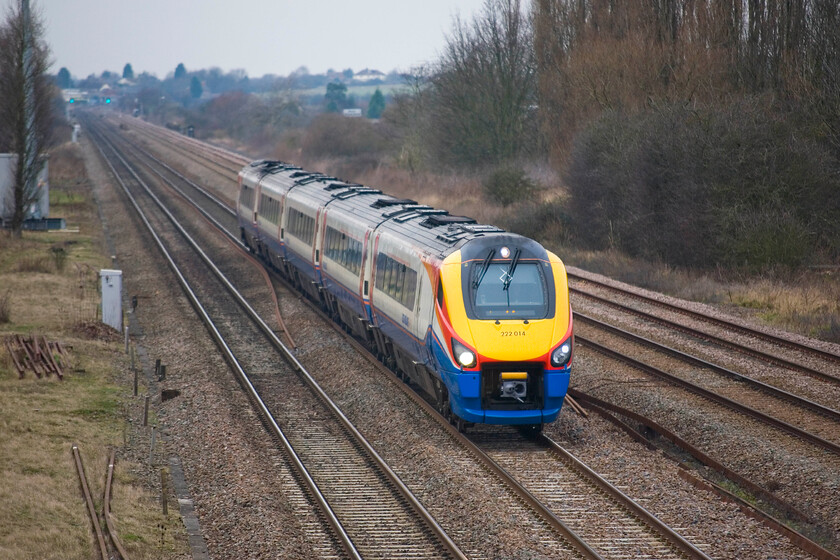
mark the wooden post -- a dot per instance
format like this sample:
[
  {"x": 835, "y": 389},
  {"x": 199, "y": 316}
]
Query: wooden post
[
  {"x": 126, "y": 339},
  {"x": 135, "y": 382},
  {"x": 146, "y": 412}
]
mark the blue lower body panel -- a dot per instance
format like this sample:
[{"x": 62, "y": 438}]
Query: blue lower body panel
[{"x": 465, "y": 399}]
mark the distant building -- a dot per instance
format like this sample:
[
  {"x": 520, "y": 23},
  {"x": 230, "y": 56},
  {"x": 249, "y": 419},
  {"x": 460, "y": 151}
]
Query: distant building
[{"x": 368, "y": 75}]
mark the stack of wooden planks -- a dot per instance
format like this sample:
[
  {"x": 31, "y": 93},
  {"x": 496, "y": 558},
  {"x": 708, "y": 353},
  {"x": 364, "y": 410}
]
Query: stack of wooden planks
[{"x": 37, "y": 354}]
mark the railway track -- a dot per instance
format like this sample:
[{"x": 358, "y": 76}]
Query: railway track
[
  {"x": 800, "y": 471},
  {"x": 777, "y": 389},
  {"x": 780, "y": 393},
  {"x": 206, "y": 155},
  {"x": 621, "y": 517},
  {"x": 728, "y": 332},
  {"x": 798, "y": 416},
  {"x": 367, "y": 508},
  {"x": 754, "y": 500}
]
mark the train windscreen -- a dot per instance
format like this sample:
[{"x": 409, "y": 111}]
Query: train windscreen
[{"x": 505, "y": 292}]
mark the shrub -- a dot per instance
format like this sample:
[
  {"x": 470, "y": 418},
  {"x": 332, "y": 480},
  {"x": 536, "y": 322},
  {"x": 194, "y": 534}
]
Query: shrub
[
  {"x": 741, "y": 186},
  {"x": 547, "y": 222},
  {"x": 508, "y": 185},
  {"x": 59, "y": 256}
]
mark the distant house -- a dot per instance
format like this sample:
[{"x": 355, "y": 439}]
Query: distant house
[{"x": 368, "y": 75}]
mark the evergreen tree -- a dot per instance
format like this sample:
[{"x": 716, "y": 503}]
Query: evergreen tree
[
  {"x": 376, "y": 105},
  {"x": 63, "y": 79},
  {"x": 128, "y": 72},
  {"x": 180, "y": 71},
  {"x": 336, "y": 97},
  {"x": 195, "y": 87}
]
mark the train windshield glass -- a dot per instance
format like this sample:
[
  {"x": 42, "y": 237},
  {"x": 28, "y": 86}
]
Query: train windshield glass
[{"x": 502, "y": 295}]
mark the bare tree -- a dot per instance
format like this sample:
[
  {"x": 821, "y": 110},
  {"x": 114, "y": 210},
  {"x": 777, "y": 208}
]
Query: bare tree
[
  {"x": 483, "y": 88},
  {"x": 26, "y": 91}
]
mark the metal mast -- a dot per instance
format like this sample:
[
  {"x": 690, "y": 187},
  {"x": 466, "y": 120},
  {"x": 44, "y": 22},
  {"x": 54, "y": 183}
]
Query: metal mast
[{"x": 30, "y": 143}]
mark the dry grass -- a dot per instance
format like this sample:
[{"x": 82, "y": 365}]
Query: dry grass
[{"x": 43, "y": 513}]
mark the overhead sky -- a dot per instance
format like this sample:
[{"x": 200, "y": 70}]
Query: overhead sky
[{"x": 259, "y": 36}]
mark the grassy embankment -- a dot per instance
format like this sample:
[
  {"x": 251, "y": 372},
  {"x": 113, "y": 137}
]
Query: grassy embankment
[{"x": 48, "y": 286}]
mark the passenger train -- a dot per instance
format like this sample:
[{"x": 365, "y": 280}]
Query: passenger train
[{"x": 477, "y": 317}]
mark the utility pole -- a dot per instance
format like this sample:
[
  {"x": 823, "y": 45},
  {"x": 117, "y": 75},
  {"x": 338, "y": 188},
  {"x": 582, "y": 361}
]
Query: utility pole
[{"x": 30, "y": 155}]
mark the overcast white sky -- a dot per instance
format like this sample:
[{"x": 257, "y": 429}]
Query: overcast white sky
[{"x": 259, "y": 36}]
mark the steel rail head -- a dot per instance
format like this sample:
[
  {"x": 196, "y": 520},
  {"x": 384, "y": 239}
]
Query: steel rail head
[
  {"x": 609, "y": 411},
  {"x": 801, "y": 401},
  {"x": 606, "y": 408},
  {"x": 708, "y": 318},
  {"x": 106, "y": 509},
  {"x": 94, "y": 518},
  {"x": 712, "y": 396},
  {"x": 650, "y": 519}
]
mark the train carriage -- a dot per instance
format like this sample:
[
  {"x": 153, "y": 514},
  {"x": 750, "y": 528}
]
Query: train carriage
[{"x": 477, "y": 317}]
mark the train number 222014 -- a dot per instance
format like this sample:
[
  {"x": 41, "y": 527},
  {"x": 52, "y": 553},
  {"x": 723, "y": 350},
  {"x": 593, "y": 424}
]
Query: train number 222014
[{"x": 513, "y": 333}]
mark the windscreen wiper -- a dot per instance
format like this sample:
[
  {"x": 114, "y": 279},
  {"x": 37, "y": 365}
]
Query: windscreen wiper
[
  {"x": 484, "y": 266},
  {"x": 509, "y": 274}
]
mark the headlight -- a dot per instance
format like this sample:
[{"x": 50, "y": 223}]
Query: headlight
[
  {"x": 562, "y": 354},
  {"x": 464, "y": 356}
]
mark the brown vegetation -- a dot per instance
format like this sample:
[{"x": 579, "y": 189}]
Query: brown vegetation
[{"x": 697, "y": 133}]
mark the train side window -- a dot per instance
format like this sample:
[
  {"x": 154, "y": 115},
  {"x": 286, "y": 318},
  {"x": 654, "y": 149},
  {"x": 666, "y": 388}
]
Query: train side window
[
  {"x": 395, "y": 279},
  {"x": 399, "y": 282},
  {"x": 409, "y": 287},
  {"x": 355, "y": 256},
  {"x": 246, "y": 197},
  {"x": 380, "y": 271},
  {"x": 389, "y": 273},
  {"x": 301, "y": 226}
]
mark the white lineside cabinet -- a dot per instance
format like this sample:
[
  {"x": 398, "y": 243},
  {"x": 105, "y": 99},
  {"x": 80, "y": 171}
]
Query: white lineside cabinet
[{"x": 111, "y": 298}]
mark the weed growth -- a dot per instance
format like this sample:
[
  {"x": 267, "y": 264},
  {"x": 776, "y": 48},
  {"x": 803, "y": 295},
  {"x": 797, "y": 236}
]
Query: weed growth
[{"x": 6, "y": 307}]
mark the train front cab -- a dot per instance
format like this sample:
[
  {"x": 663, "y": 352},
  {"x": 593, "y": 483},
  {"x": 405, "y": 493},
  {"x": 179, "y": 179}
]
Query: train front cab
[{"x": 503, "y": 335}]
